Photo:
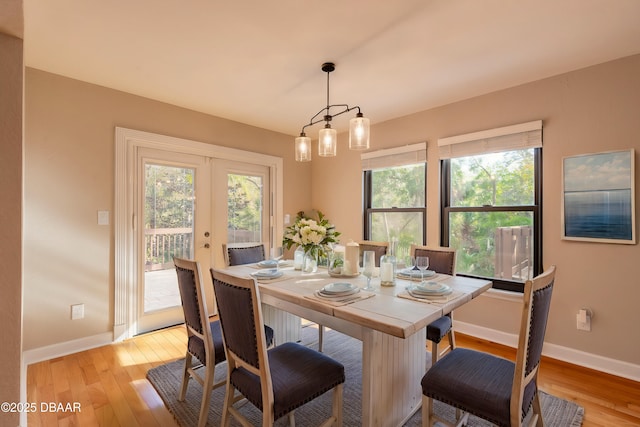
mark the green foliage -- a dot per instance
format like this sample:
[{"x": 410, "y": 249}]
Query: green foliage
[
  {"x": 245, "y": 204},
  {"x": 314, "y": 236},
  {"x": 500, "y": 179},
  {"x": 398, "y": 187},
  {"x": 169, "y": 197}
]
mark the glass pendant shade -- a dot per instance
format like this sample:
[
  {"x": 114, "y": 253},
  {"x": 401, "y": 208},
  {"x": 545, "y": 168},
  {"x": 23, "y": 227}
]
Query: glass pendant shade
[
  {"x": 303, "y": 149},
  {"x": 327, "y": 142},
  {"x": 359, "y": 133}
]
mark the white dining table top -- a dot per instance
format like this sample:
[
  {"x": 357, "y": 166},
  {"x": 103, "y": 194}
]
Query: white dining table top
[{"x": 385, "y": 311}]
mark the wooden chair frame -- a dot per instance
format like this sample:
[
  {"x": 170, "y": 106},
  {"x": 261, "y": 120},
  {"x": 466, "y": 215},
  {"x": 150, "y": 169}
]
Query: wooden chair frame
[
  {"x": 521, "y": 378},
  {"x": 264, "y": 372},
  {"x": 437, "y": 351},
  {"x": 191, "y": 370}
]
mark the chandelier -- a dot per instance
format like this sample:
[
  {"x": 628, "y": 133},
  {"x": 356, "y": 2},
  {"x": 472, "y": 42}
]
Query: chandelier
[{"x": 327, "y": 137}]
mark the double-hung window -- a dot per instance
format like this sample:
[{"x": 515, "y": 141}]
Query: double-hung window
[
  {"x": 491, "y": 203},
  {"x": 395, "y": 195}
]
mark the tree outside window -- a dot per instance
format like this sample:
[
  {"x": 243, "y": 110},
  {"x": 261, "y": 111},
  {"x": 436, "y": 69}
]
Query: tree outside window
[
  {"x": 491, "y": 215},
  {"x": 395, "y": 205}
]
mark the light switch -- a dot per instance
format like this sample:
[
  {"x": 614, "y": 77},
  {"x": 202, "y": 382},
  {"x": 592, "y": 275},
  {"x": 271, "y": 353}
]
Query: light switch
[{"x": 103, "y": 217}]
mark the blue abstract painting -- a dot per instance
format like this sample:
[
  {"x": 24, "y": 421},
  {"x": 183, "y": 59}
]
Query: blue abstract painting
[{"x": 599, "y": 197}]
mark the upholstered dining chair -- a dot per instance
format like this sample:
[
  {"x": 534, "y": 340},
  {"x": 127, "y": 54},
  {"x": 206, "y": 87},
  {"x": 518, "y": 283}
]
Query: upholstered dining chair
[
  {"x": 204, "y": 341},
  {"x": 204, "y": 337},
  {"x": 441, "y": 260},
  {"x": 279, "y": 380},
  {"x": 490, "y": 387},
  {"x": 380, "y": 248},
  {"x": 238, "y": 255}
]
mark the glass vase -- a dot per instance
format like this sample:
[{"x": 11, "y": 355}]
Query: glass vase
[{"x": 310, "y": 261}]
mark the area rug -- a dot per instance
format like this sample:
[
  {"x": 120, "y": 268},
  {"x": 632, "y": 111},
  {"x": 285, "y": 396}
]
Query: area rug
[{"x": 166, "y": 380}]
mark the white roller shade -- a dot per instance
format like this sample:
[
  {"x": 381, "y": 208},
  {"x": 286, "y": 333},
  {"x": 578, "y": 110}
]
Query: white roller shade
[
  {"x": 397, "y": 156},
  {"x": 515, "y": 137}
]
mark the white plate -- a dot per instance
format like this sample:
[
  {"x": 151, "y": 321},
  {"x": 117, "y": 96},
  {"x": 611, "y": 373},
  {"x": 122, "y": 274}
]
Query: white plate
[
  {"x": 339, "y": 295},
  {"x": 268, "y": 263},
  {"x": 338, "y": 288},
  {"x": 416, "y": 273},
  {"x": 424, "y": 292},
  {"x": 267, "y": 273},
  {"x": 431, "y": 287}
]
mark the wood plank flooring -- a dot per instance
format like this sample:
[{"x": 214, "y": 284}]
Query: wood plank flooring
[{"x": 110, "y": 385}]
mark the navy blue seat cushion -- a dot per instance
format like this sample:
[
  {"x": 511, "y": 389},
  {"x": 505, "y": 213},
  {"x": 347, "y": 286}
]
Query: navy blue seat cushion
[
  {"x": 475, "y": 382},
  {"x": 437, "y": 329},
  {"x": 299, "y": 375},
  {"x": 196, "y": 345}
]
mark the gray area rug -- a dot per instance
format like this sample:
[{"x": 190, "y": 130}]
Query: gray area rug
[{"x": 166, "y": 380}]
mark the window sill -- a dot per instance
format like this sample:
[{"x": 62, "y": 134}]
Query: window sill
[{"x": 503, "y": 295}]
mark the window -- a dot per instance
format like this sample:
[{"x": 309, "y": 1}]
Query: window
[
  {"x": 491, "y": 194},
  {"x": 395, "y": 196}
]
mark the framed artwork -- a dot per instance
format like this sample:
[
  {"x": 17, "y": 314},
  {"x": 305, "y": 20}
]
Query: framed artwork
[{"x": 598, "y": 197}]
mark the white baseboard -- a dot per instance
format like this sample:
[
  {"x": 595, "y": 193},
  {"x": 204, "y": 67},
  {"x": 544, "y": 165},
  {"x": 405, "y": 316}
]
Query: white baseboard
[
  {"x": 566, "y": 354},
  {"x": 64, "y": 348}
]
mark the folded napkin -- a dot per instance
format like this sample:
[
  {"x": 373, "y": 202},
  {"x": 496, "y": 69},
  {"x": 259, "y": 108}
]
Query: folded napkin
[
  {"x": 339, "y": 301},
  {"x": 439, "y": 299}
]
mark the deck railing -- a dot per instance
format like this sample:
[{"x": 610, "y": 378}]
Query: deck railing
[
  {"x": 162, "y": 244},
  {"x": 513, "y": 252}
]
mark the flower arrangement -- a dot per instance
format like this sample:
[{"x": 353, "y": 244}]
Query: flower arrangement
[{"x": 314, "y": 236}]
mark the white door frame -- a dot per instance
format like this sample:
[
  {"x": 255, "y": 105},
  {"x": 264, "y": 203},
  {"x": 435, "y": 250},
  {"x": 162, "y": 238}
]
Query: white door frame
[{"x": 125, "y": 267}]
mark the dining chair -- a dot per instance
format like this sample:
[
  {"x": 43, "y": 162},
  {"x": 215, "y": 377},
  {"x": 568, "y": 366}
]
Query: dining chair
[
  {"x": 238, "y": 255},
  {"x": 204, "y": 338},
  {"x": 276, "y": 381},
  {"x": 441, "y": 260},
  {"x": 490, "y": 387},
  {"x": 380, "y": 248}
]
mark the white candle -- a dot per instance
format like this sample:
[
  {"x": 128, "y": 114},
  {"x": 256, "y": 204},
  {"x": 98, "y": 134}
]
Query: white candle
[
  {"x": 386, "y": 272},
  {"x": 352, "y": 254}
]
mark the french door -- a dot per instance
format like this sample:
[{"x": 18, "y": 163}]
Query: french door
[
  {"x": 178, "y": 197},
  {"x": 242, "y": 207},
  {"x": 174, "y": 219}
]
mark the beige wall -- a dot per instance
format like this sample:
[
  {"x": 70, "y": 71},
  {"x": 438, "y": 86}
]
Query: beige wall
[
  {"x": 591, "y": 110},
  {"x": 69, "y": 176},
  {"x": 11, "y": 90}
]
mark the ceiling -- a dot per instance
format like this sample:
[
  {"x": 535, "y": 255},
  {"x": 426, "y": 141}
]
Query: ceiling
[{"x": 259, "y": 62}]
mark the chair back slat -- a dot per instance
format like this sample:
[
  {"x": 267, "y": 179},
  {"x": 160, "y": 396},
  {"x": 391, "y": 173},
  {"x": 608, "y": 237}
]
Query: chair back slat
[
  {"x": 533, "y": 324},
  {"x": 538, "y": 325},
  {"x": 235, "y": 310},
  {"x": 380, "y": 248},
  {"x": 441, "y": 259},
  {"x": 189, "y": 297},
  {"x": 238, "y": 255}
]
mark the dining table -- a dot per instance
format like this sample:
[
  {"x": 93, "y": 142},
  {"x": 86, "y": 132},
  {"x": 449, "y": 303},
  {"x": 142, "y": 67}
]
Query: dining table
[{"x": 390, "y": 322}]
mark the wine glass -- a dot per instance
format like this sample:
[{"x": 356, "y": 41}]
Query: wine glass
[
  {"x": 409, "y": 263},
  {"x": 276, "y": 255},
  {"x": 368, "y": 267},
  {"x": 423, "y": 263}
]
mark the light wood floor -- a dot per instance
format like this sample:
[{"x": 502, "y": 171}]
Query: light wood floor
[{"x": 110, "y": 386}]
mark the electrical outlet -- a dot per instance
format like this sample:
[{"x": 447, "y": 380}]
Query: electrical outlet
[
  {"x": 583, "y": 320},
  {"x": 77, "y": 311}
]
